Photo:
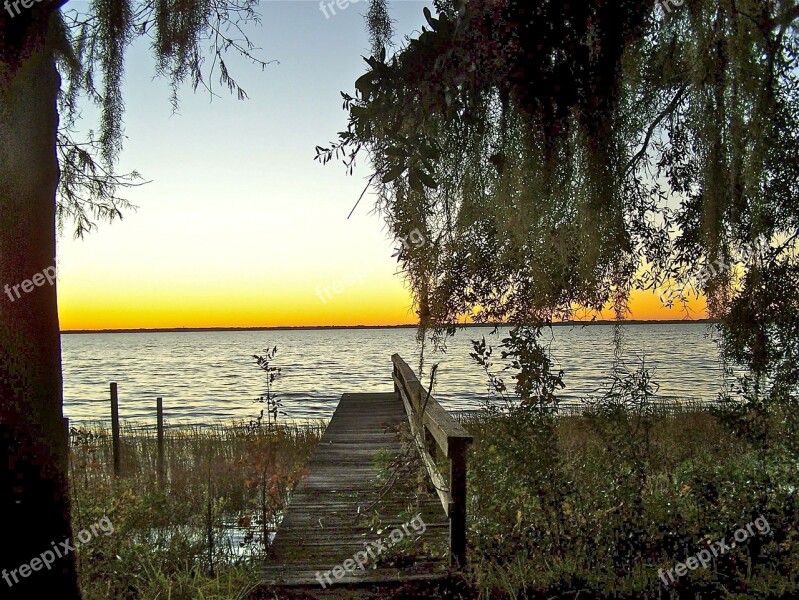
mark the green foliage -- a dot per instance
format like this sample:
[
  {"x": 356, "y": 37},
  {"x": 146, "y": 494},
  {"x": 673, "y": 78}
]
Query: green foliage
[
  {"x": 87, "y": 189},
  {"x": 527, "y": 435},
  {"x": 378, "y": 23},
  {"x": 599, "y": 502},
  {"x": 613, "y": 534},
  {"x": 623, "y": 419},
  {"x": 558, "y": 157}
]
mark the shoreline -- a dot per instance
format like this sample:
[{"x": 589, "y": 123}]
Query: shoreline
[
  {"x": 358, "y": 327},
  {"x": 668, "y": 405}
]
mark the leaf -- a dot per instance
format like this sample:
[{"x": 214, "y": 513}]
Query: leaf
[
  {"x": 396, "y": 152},
  {"x": 415, "y": 181},
  {"x": 429, "y": 152},
  {"x": 365, "y": 83},
  {"x": 394, "y": 173},
  {"x": 429, "y": 16},
  {"x": 427, "y": 180}
]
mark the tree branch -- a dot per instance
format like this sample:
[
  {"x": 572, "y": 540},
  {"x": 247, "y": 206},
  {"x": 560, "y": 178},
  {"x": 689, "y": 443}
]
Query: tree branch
[{"x": 651, "y": 131}]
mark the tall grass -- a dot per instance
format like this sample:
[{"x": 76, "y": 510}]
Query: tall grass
[{"x": 204, "y": 533}]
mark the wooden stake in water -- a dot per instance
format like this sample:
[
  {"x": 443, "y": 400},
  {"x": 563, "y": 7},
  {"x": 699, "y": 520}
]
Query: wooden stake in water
[
  {"x": 161, "y": 470},
  {"x": 115, "y": 428},
  {"x": 65, "y": 459}
]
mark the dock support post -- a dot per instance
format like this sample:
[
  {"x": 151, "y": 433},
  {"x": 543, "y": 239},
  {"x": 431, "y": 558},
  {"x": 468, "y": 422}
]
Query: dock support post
[
  {"x": 161, "y": 467},
  {"x": 457, "y": 517},
  {"x": 115, "y": 429}
]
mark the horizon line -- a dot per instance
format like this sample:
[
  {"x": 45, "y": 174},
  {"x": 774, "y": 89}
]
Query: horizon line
[{"x": 400, "y": 326}]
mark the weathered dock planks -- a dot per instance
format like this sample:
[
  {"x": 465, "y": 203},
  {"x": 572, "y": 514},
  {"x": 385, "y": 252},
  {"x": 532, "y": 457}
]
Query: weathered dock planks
[{"x": 330, "y": 515}]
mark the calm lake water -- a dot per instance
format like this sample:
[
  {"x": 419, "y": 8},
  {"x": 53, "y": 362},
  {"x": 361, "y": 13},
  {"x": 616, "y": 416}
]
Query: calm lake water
[{"x": 210, "y": 377}]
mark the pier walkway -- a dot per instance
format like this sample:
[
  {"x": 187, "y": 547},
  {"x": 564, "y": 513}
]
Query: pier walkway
[{"x": 346, "y": 527}]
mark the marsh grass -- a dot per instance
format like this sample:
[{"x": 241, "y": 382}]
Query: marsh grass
[{"x": 204, "y": 533}]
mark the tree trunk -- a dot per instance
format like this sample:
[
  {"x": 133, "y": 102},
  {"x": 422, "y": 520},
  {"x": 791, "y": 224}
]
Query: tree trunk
[{"x": 34, "y": 500}]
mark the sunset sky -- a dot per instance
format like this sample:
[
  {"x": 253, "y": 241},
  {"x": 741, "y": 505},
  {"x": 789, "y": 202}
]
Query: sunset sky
[{"x": 240, "y": 227}]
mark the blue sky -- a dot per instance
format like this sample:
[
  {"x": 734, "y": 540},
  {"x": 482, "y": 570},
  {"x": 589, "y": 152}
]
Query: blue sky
[{"x": 240, "y": 226}]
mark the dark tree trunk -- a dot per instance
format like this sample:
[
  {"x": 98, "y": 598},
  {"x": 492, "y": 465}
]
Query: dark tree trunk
[{"x": 34, "y": 500}]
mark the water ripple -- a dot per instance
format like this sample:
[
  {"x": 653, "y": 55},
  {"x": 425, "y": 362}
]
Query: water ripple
[{"x": 211, "y": 376}]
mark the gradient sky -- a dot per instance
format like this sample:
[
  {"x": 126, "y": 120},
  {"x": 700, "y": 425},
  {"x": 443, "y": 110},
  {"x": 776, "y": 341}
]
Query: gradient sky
[{"x": 240, "y": 227}]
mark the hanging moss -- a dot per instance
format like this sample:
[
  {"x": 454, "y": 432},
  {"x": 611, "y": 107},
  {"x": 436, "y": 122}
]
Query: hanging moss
[{"x": 548, "y": 150}]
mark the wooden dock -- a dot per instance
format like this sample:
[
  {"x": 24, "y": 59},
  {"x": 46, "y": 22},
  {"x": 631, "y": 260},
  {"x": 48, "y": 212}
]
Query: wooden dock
[{"x": 345, "y": 527}]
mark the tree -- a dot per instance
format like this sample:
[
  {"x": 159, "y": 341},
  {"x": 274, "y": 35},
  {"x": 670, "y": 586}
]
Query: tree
[
  {"x": 40, "y": 42},
  {"x": 559, "y": 156}
]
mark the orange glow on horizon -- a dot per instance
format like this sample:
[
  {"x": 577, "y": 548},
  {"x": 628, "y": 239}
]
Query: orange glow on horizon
[{"x": 204, "y": 308}]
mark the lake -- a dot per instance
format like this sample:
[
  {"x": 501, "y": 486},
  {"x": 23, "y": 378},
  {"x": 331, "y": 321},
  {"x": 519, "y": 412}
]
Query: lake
[{"x": 211, "y": 377}]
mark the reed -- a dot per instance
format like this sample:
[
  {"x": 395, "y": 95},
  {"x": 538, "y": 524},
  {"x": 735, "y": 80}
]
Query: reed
[{"x": 204, "y": 530}]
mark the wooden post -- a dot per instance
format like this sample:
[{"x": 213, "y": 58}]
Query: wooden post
[
  {"x": 115, "y": 428},
  {"x": 457, "y": 516},
  {"x": 161, "y": 469}
]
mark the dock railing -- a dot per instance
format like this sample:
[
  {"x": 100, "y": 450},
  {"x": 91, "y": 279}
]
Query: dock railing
[{"x": 434, "y": 428}]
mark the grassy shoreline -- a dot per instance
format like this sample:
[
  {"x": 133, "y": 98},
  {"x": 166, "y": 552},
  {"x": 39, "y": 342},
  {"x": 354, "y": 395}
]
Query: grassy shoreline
[{"x": 596, "y": 503}]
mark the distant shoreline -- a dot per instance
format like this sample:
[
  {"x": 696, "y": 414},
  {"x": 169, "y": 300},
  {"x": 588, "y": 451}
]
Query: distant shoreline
[{"x": 335, "y": 327}]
